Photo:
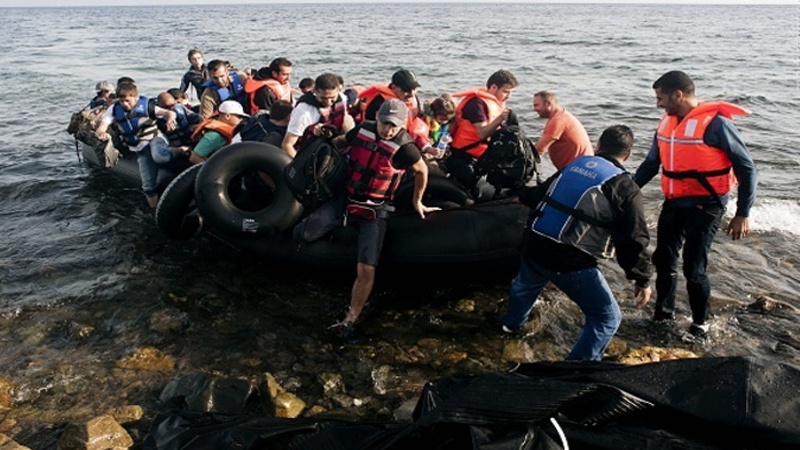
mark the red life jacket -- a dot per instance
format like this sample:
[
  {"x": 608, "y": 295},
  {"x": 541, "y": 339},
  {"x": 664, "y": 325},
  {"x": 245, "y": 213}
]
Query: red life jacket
[
  {"x": 372, "y": 175},
  {"x": 415, "y": 125},
  {"x": 690, "y": 167},
  {"x": 465, "y": 135}
]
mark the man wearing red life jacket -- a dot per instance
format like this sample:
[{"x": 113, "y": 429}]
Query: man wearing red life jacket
[
  {"x": 403, "y": 87},
  {"x": 701, "y": 155},
  {"x": 270, "y": 84},
  {"x": 380, "y": 153},
  {"x": 479, "y": 114}
]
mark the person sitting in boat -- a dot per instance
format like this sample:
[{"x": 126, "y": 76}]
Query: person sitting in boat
[
  {"x": 135, "y": 117},
  {"x": 306, "y": 85},
  {"x": 404, "y": 87},
  {"x": 197, "y": 74},
  {"x": 269, "y": 128},
  {"x": 103, "y": 97},
  {"x": 320, "y": 112},
  {"x": 439, "y": 115},
  {"x": 217, "y": 132},
  {"x": 182, "y": 99},
  {"x": 270, "y": 84},
  {"x": 177, "y": 142},
  {"x": 380, "y": 152},
  {"x": 224, "y": 84},
  {"x": 479, "y": 114}
]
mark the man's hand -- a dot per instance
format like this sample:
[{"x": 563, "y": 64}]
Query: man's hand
[
  {"x": 738, "y": 227},
  {"x": 643, "y": 294},
  {"x": 422, "y": 209}
]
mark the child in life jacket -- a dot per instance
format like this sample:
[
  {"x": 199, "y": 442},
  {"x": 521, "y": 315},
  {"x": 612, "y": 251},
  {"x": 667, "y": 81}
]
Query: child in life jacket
[{"x": 440, "y": 115}]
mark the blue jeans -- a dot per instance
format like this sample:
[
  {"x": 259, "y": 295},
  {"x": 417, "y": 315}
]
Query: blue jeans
[
  {"x": 691, "y": 228},
  {"x": 586, "y": 287},
  {"x": 148, "y": 171}
]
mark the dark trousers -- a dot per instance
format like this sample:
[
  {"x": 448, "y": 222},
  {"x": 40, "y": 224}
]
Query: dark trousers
[{"x": 693, "y": 229}]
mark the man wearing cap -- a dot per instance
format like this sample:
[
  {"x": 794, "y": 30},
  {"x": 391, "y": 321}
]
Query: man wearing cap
[
  {"x": 103, "y": 97},
  {"x": 404, "y": 87},
  {"x": 217, "y": 132},
  {"x": 380, "y": 153}
]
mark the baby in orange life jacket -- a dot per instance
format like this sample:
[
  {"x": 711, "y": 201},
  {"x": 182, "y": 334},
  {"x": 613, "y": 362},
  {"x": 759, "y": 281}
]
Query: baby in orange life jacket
[{"x": 439, "y": 115}]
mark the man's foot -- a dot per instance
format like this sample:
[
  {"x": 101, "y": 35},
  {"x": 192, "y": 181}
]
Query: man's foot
[
  {"x": 347, "y": 332},
  {"x": 699, "y": 331},
  {"x": 661, "y": 317},
  {"x": 152, "y": 201}
]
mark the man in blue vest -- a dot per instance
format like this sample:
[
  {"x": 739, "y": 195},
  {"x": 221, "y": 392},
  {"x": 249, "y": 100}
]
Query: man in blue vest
[{"x": 580, "y": 215}]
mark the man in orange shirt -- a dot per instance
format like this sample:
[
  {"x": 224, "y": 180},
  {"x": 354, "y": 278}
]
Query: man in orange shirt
[{"x": 563, "y": 137}]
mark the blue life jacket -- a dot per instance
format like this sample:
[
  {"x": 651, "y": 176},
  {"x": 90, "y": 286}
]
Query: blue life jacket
[
  {"x": 136, "y": 123},
  {"x": 233, "y": 92},
  {"x": 182, "y": 134},
  {"x": 95, "y": 103},
  {"x": 575, "y": 211}
]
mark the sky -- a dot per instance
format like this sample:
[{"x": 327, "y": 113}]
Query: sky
[{"x": 51, "y": 3}]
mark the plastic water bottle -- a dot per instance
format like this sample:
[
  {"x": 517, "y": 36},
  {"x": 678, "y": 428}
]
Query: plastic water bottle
[{"x": 444, "y": 140}]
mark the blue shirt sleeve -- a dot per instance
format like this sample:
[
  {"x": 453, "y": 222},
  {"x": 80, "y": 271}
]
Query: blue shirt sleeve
[
  {"x": 722, "y": 134},
  {"x": 649, "y": 167}
]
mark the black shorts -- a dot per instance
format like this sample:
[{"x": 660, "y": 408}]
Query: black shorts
[{"x": 371, "y": 233}]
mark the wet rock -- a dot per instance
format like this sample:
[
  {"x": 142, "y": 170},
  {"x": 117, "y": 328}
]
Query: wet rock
[
  {"x": 405, "y": 412},
  {"x": 283, "y": 404},
  {"x": 79, "y": 331},
  {"x": 7, "y": 424},
  {"x": 518, "y": 351},
  {"x": 382, "y": 379},
  {"x": 205, "y": 393},
  {"x": 100, "y": 433},
  {"x": 332, "y": 384},
  {"x": 765, "y": 304},
  {"x": 649, "y": 354},
  {"x": 616, "y": 348},
  {"x": 316, "y": 410},
  {"x": 167, "y": 320},
  {"x": 6, "y": 394},
  {"x": 126, "y": 414},
  {"x": 6, "y": 443},
  {"x": 465, "y": 305},
  {"x": 148, "y": 358}
]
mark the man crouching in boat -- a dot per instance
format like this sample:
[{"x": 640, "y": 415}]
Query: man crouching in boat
[
  {"x": 380, "y": 153},
  {"x": 136, "y": 116}
]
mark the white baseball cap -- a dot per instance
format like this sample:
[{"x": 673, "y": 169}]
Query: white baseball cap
[{"x": 232, "y": 107}]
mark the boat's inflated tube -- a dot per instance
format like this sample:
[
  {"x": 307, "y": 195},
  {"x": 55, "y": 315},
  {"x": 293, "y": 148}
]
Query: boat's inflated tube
[
  {"x": 176, "y": 215},
  {"x": 440, "y": 191},
  {"x": 213, "y": 189}
]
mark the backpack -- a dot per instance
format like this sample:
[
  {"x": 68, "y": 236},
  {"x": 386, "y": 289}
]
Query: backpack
[
  {"x": 255, "y": 128},
  {"x": 510, "y": 160},
  {"x": 317, "y": 173}
]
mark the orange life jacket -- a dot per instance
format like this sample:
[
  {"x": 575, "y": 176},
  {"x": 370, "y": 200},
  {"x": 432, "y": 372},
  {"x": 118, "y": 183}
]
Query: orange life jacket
[
  {"x": 465, "y": 135},
  {"x": 690, "y": 167},
  {"x": 213, "y": 124},
  {"x": 415, "y": 126},
  {"x": 281, "y": 91}
]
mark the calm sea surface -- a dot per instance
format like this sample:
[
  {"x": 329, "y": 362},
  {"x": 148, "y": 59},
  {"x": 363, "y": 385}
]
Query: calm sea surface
[{"x": 76, "y": 247}]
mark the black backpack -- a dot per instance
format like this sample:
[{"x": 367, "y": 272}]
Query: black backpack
[
  {"x": 511, "y": 160},
  {"x": 317, "y": 173}
]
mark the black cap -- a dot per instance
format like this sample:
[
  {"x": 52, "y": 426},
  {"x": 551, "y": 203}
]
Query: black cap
[{"x": 405, "y": 80}]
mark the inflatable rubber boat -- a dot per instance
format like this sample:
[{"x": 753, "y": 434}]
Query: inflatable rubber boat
[{"x": 239, "y": 196}]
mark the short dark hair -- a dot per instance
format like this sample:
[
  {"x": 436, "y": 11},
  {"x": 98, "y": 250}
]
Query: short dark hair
[
  {"x": 443, "y": 105},
  {"x": 501, "y": 78},
  {"x": 192, "y": 52},
  {"x": 277, "y": 63},
  {"x": 176, "y": 93},
  {"x": 616, "y": 140},
  {"x": 280, "y": 110},
  {"x": 125, "y": 80},
  {"x": 215, "y": 64},
  {"x": 326, "y": 82},
  {"x": 306, "y": 82},
  {"x": 125, "y": 89},
  {"x": 675, "y": 80}
]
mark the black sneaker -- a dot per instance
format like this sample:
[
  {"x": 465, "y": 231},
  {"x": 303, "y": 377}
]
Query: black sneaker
[
  {"x": 347, "y": 333},
  {"x": 699, "y": 331}
]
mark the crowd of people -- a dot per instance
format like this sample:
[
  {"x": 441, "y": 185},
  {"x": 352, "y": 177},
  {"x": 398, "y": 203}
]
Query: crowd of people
[{"x": 590, "y": 209}]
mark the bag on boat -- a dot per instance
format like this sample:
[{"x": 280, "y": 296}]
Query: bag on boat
[
  {"x": 511, "y": 160},
  {"x": 316, "y": 173}
]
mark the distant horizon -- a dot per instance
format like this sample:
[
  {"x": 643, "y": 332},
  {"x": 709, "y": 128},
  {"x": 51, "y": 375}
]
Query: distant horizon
[{"x": 108, "y": 3}]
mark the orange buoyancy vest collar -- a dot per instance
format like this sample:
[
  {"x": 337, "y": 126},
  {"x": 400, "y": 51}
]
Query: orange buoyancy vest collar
[
  {"x": 690, "y": 167},
  {"x": 223, "y": 128},
  {"x": 465, "y": 136},
  {"x": 373, "y": 177},
  {"x": 281, "y": 91},
  {"x": 369, "y": 95}
]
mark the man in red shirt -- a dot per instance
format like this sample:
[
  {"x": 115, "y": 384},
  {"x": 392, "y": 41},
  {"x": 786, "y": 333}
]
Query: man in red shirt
[{"x": 564, "y": 138}]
